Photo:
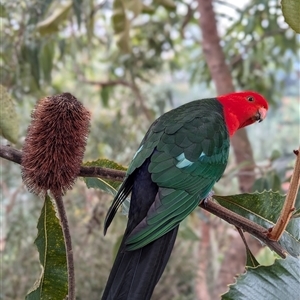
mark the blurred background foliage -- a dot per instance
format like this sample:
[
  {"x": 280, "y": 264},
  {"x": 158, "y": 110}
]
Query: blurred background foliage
[{"x": 129, "y": 61}]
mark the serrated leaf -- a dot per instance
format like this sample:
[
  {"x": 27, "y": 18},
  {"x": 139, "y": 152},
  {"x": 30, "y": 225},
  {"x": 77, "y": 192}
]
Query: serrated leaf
[
  {"x": 290, "y": 10},
  {"x": 264, "y": 209},
  {"x": 105, "y": 163},
  {"x": 276, "y": 282},
  {"x": 57, "y": 13},
  {"x": 53, "y": 282},
  {"x": 9, "y": 121}
]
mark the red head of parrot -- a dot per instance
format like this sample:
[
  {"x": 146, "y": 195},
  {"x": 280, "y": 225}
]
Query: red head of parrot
[{"x": 242, "y": 109}]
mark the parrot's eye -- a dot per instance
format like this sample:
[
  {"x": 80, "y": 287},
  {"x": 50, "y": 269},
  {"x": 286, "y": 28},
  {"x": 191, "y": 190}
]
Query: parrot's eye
[{"x": 250, "y": 98}]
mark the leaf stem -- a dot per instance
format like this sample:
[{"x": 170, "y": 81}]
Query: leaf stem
[
  {"x": 276, "y": 232},
  {"x": 68, "y": 244}
]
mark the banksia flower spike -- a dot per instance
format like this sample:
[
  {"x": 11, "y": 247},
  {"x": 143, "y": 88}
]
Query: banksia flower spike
[{"x": 55, "y": 144}]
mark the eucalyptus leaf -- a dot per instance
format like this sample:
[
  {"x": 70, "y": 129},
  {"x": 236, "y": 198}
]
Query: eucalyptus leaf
[
  {"x": 53, "y": 282},
  {"x": 57, "y": 13}
]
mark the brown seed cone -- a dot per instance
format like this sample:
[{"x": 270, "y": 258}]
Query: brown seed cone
[{"x": 55, "y": 144}]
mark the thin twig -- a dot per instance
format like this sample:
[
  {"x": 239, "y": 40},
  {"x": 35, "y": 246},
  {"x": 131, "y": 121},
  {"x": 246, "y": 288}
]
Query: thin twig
[
  {"x": 68, "y": 243},
  {"x": 289, "y": 204}
]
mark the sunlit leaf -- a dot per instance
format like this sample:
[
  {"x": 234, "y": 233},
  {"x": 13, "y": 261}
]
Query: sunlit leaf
[
  {"x": 9, "y": 121},
  {"x": 53, "y": 282},
  {"x": 290, "y": 10},
  {"x": 276, "y": 282},
  {"x": 264, "y": 209}
]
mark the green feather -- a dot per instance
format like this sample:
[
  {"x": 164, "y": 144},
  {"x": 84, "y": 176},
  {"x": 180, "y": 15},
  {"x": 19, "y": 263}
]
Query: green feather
[{"x": 196, "y": 135}]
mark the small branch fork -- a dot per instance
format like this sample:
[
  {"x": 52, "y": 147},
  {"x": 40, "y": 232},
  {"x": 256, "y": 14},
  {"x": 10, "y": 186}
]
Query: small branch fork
[{"x": 269, "y": 238}]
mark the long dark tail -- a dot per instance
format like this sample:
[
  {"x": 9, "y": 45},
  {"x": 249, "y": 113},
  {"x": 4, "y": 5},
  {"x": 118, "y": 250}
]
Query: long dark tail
[{"x": 135, "y": 274}]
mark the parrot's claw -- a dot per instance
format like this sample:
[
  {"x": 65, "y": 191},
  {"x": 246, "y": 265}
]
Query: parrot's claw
[{"x": 208, "y": 197}]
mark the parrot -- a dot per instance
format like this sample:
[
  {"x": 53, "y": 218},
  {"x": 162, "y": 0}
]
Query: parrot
[{"x": 183, "y": 154}]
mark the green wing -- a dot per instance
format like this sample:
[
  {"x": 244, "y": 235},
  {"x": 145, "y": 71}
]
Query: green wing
[{"x": 189, "y": 151}]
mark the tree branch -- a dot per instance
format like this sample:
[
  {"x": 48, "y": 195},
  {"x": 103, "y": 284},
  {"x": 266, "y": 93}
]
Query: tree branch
[
  {"x": 243, "y": 223},
  {"x": 15, "y": 155},
  {"x": 256, "y": 230}
]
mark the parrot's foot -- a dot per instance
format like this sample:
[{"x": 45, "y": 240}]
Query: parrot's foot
[{"x": 208, "y": 197}]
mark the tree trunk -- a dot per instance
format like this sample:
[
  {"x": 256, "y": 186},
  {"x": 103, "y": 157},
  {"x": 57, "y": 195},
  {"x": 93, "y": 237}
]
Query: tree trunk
[
  {"x": 234, "y": 257},
  {"x": 221, "y": 76}
]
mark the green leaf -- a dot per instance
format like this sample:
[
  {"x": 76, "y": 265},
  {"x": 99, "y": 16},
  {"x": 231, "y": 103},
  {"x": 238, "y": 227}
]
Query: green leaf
[
  {"x": 250, "y": 259},
  {"x": 77, "y": 7},
  {"x": 291, "y": 13},
  {"x": 46, "y": 60},
  {"x": 276, "y": 282},
  {"x": 53, "y": 282},
  {"x": 101, "y": 184},
  {"x": 264, "y": 209},
  {"x": 31, "y": 53},
  {"x": 57, "y": 13},
  {"x": 3, "y": 12},
  {"x": 9, "y": 122},
  {"x": 104, "y": 93},
  {"x": 121, "y": 26},
  {"x": 104, "y": 185},
  {"x": 119, "y": 19}
]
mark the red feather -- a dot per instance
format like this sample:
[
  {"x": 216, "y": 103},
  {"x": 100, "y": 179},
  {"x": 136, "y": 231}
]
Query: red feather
[{"x": 242, "y": 109}]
